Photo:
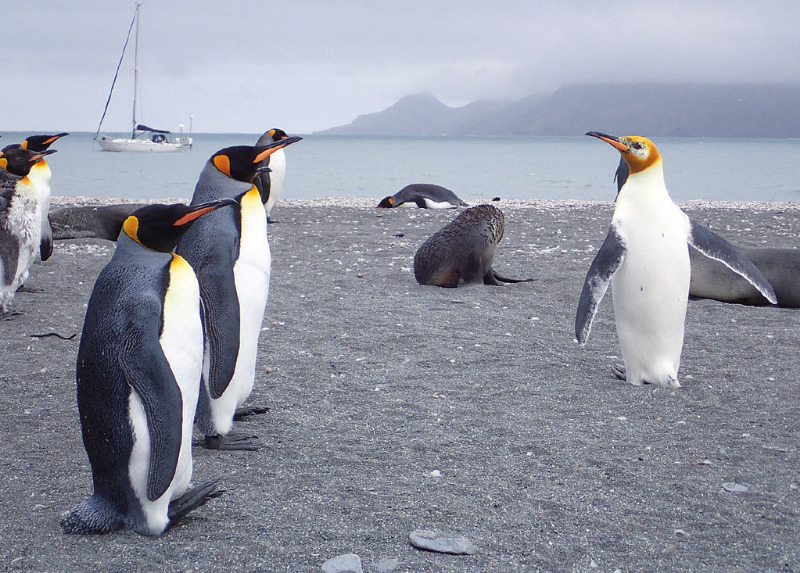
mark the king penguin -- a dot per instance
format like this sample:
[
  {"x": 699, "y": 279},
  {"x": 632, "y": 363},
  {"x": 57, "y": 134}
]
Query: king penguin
[
  {"x": 270, "y": 182},
  {"x": 645, "y": 258},
  {"x": 138, "y": 377},
  {"x": 41, "y": 176},
  {"x": 230, "y": 253},
  {"x": 20, "y": 220}
]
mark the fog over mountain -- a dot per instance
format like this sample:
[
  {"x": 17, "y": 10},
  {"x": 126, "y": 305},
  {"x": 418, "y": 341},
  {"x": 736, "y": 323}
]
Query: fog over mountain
[{"x": 651, "y": 109}]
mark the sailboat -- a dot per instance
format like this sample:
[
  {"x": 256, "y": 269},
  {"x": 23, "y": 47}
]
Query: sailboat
[{"x": 143, "y": 138}]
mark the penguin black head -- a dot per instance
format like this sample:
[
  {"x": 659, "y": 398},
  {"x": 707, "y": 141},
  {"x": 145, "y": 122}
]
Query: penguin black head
[
  {"x": 161, "y": 227},
  {"x": 277, "y": 134},
  {"x": 386, "y": 203},
  {"x": 41, "y": 142},
  {"x": 18, "y": 161},
  {"x": 240, "y": 162}
]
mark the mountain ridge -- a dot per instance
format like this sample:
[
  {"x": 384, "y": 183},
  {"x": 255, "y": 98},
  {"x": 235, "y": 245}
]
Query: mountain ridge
[{"x": 652, "y": 109}]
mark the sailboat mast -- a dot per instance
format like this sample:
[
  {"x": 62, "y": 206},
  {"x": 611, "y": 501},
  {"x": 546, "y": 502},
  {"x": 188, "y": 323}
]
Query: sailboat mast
[{"x": 135, "y": 73}]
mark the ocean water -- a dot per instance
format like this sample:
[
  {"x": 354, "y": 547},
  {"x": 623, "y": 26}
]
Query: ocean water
[{"x": 577, "y": 167}]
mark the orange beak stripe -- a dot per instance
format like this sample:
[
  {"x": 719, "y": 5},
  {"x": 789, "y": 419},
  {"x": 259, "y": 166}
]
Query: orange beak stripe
[{"x": 193, "y": 215}]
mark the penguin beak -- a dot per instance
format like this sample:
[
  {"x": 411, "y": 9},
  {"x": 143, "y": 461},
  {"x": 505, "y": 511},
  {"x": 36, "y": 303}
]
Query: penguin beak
[
  {"x": 610, "y": 139},
  {"x": 200, "y": 210},
  {"x": 39, "y": 156},
  {"x": 275, "y": 146},
  {"x": 55, "y": 137}
]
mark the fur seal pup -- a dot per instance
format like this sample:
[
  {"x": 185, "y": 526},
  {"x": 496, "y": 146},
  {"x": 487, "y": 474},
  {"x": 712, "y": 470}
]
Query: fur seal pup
[
  {"x": 645, "y": 258},
  {"x": 91, "y": 221},
  {"x": 462, "y": 253},
  {"x": 713, "y": 280},
  {"x": 424, "y": 196}
]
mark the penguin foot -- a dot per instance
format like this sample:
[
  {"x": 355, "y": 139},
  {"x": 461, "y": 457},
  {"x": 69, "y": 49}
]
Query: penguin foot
[
  {"x": 193, "y": 498},
  {"x": 26, "y": 288},
  {"x": 619, "y": 372},
  {"x": 242, "y": 413},
  {"x": 233, "y": 441},
  {"x": 10, "y": 315}
]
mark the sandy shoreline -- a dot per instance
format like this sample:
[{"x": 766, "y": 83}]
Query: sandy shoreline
[{"x": 395, "y": 407}]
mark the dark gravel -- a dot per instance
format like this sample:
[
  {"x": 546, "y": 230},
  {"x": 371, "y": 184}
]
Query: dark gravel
[{"x": 396, "y": 407}]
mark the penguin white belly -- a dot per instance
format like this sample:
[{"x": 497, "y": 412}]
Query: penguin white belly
[
  {"x": 431, "y": 204},
  {"x": 251, "y": 273},
  {"x": 650, "y": 293},
  {"x": 277, "y": 165},
  {"x": 181, "y": 341},
  {"x": 41, "y": 178},
  {"x": 25, "y": 223}
]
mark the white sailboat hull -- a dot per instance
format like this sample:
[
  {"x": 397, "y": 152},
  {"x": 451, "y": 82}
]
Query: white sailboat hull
[{"x": 143, "y": 145}]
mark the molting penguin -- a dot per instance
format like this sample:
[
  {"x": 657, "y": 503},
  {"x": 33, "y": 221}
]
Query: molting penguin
[
  {"x": 462, "y": 253},
  {"x": 230, "y": 253},
  {"x": 20, "y": 220},
  {"x": 645, "y": 258},
  {"x": 270, "y": 182},
  {"x": 41, "y": 176},
  {"x": 424, "y": 196},
  {"x": 138, "y": 375},
  {"x": 713, "y": 280}
]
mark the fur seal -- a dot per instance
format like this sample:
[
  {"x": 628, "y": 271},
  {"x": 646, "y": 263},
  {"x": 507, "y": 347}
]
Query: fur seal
[
  {"x": 462, "y": 252},
  {"x": 93, "y": 221},
  {"x": 424, "y": 196}
]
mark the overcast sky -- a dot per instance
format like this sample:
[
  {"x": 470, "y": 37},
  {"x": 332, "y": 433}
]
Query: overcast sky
[{"x": 306, "y": 65}]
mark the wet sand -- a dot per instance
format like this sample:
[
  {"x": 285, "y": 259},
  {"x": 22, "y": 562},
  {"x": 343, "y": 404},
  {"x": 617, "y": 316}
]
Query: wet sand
[{"x": 396, "y": 407}]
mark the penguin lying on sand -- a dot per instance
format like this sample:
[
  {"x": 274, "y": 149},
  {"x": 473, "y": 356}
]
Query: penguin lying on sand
[
  {"x": 138, "y": 376},
  {"x": 230, "y": 253},
  {"x": 41, "y": 177},
  {"x": 20, "y": 220},
  {"x": 645, "y": 258},
  {"x": 713, "y": 280},
  {"x": 462, "y": 253},
  {"x": 424, "y": 196}
]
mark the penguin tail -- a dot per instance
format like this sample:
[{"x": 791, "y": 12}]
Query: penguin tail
[
  {"x": 192, "y": 499},
  {"x": 93, "y": 515}
]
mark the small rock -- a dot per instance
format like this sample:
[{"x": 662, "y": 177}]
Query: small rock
[
  {"x": 384, "y": 566},
  {"x": 349, "y": 563},
  {"x": 433, "y": 541},
  {"x": 734, "y": 487}
]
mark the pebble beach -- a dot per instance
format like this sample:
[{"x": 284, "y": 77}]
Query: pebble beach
[{"x": 470, "y": 413}]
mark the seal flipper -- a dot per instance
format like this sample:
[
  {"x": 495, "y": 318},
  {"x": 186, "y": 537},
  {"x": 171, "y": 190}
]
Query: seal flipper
[
  {"x": 221, "y": 323},
  {"x": 142, "y": 364},
  {"x": 492, "y": 278},
  {"x": 605, "y": 264},
  {"x": 715, "y": 247},
  {"x": 192, "y": 499}
]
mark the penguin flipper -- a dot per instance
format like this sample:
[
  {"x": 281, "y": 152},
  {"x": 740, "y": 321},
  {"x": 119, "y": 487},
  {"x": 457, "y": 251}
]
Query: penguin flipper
[
  {"x": 715, "y": 247},
  {"x": 192, "y": 499},
  {"x": 146, "y": 369},
  {"x": 221, "y": 323},
  {"x": 605, "y": 264},
  {"x": 46, "y": 244}
]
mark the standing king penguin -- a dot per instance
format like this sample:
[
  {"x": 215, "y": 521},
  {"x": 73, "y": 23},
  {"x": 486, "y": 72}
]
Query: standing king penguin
[
  {"x": 270, "y": 182},
  {"x": 645, "y": 258},
  {"x": 138, "y": 378},
  {"x": 230, "y": 253},
  {"x": 41, "y": 176},
  {"x": 20, "y": 219}
]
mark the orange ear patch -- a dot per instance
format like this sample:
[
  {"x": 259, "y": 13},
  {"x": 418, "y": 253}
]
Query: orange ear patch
[
  {"x": 223, "y": 163},
  {"x": 131, "y": 228}
]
